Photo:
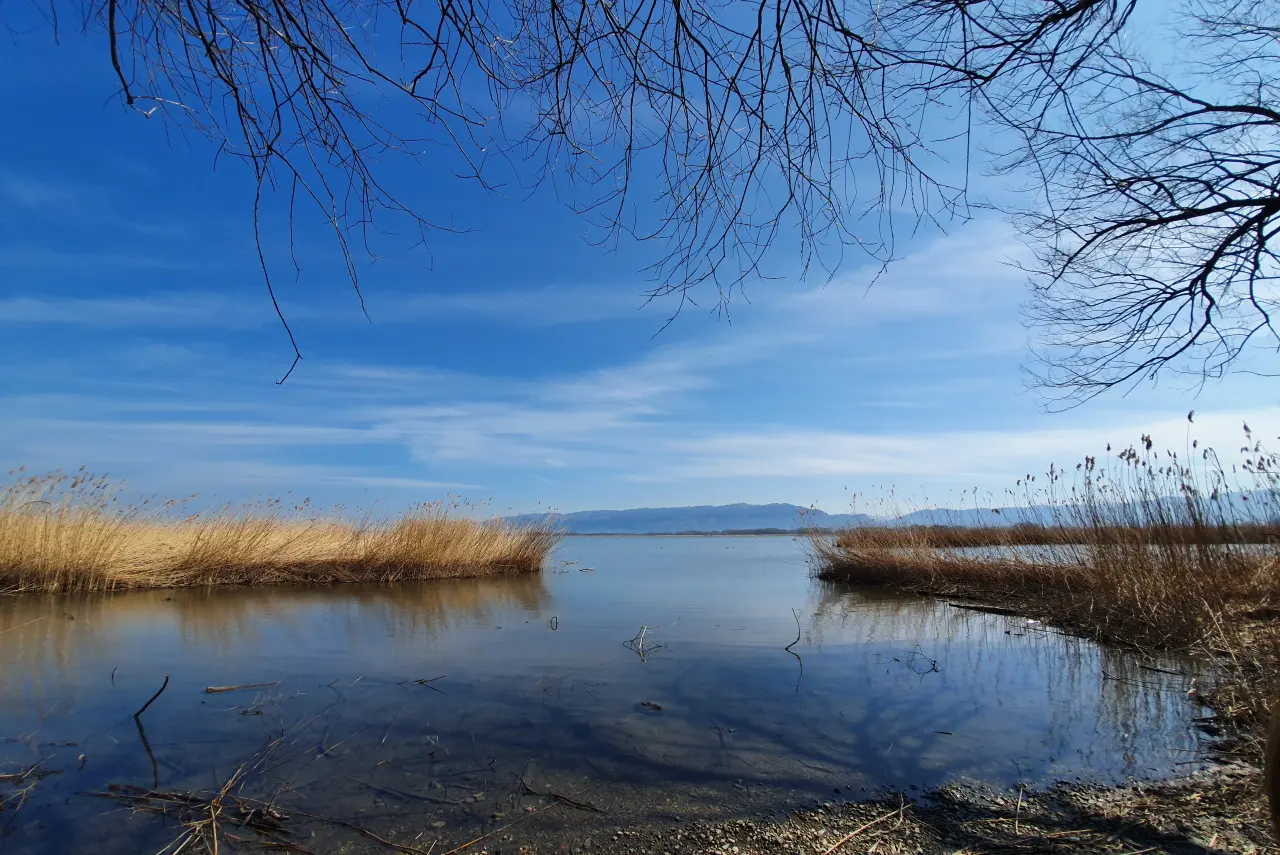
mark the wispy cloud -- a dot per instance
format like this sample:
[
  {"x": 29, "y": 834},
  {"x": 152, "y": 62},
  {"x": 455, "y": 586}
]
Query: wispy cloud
[
  {"x": 68, "y": 201},
  {"x": 51, "y": 259},
  {"x": 537, "y": 308},
  {"x": 534, "y": 307},
  {"x": 155, "y": 310},
  {"x": 35, "y": 194},
  {"x": 981, "y": 457},
  {"x": 953, "y": 276},
  {"x": 687, "y": 418}
]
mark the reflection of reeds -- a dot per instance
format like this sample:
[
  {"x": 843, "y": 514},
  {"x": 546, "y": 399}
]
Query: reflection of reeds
[
  {"x": 1157, "y": 553},
  {"x": 59, "y": 535},
  {"x": 39, "y": 641}
]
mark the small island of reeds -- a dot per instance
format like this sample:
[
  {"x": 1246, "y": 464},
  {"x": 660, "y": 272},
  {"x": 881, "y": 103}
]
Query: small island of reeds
[
  {"x": 62, "y": 534},
  {"x": 1144, "y": 549}
]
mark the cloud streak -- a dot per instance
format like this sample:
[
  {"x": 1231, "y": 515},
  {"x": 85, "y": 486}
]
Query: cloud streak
[
  {"x": 689, "y": 417},
  {"x": 155, "y": 310}
]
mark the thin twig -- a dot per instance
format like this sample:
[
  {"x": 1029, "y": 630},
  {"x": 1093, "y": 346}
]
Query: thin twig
[
  {"x": 399, "y": 847},
  {"x": 487, "y": 835},
  {"x": 21, "y": 625},
  {"x": 852, "y": 834},
  {"x": 795, "y": 613},
  {"x": 163, "y": 686}
]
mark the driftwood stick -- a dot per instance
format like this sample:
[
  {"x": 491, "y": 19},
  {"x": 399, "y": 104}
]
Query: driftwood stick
[
  {"x": 213, "y": 690},
  {"x": 991, "y": 610}
]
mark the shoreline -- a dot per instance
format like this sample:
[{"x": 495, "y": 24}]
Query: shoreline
[{"x": 1219, "y": 811}]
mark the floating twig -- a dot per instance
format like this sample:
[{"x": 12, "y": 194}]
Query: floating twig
[
  {"x": 20, "y": 626},
  {"x": 213, "y": 690},
  {"x": 424, "y": 682},
  {"x": 991, "y": 610}
]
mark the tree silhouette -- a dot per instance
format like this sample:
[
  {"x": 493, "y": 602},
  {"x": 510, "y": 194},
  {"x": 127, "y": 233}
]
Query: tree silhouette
[{"x": 716, "y": 128}]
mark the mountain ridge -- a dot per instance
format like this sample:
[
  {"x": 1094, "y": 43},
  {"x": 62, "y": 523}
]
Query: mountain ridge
[
  {"x": 775, "y": 516},
  {"x": 783, "y": 517},
  {"x": 693, "y": 518}
]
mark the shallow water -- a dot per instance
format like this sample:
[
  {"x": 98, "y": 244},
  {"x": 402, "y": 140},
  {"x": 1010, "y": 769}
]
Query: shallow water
[{"x": 537, "y": 682}]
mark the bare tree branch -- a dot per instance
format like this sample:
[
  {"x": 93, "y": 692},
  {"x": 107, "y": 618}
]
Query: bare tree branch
[{"x": 716, "y": 129}]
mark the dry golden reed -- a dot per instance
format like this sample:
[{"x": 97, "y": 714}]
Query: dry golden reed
[
  {"x": 1144, "y": 549},
  {"x": 61, "y": 534}
]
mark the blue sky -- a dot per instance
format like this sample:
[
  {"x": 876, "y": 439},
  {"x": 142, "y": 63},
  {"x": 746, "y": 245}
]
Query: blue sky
[{"x": 516, "y": 363}]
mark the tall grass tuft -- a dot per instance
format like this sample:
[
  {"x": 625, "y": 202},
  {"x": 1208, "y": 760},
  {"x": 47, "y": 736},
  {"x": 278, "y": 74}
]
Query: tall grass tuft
[
  {"x": 62, "y": 533},
  {"x": 1145, "y": 549}
]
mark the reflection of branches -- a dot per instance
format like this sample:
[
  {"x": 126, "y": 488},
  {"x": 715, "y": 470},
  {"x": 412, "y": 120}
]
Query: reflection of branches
[
  {"x": 916, "y": 662},
  {"x": 637, "y": 644},
  {"x": 142, "y": 734},
  {"x": 642, "y": 645}
]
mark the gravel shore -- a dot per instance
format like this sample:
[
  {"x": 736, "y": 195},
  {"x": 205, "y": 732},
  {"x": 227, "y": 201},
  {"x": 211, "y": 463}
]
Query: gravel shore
[{"x": 1216, "y": 812}]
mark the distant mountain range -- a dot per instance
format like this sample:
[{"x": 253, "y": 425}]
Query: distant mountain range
[
  {"x": 775, "y": 517},
  {"x": 779, "y": 517},
  {"x": 698, "y": 518}
]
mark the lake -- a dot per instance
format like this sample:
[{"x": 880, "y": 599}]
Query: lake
[{"x": 637, "y": 680}]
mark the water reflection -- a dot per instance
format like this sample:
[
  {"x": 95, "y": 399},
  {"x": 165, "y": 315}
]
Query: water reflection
[
  {"x": 59, "y": 638},
  {"x": 445, "y": 702}
]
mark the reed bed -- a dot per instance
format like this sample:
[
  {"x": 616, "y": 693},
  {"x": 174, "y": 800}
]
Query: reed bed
[
  {"x": 1146, "y": 549},
  {"x": 957, "y": 536},
  {"x": 62, "y": 534}
]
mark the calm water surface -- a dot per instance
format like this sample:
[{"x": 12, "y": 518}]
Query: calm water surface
[{"x": 429, "y": 711}]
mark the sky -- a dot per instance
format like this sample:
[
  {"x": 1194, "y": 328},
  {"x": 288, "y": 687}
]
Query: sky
[{"x": 514, "y": 363}]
